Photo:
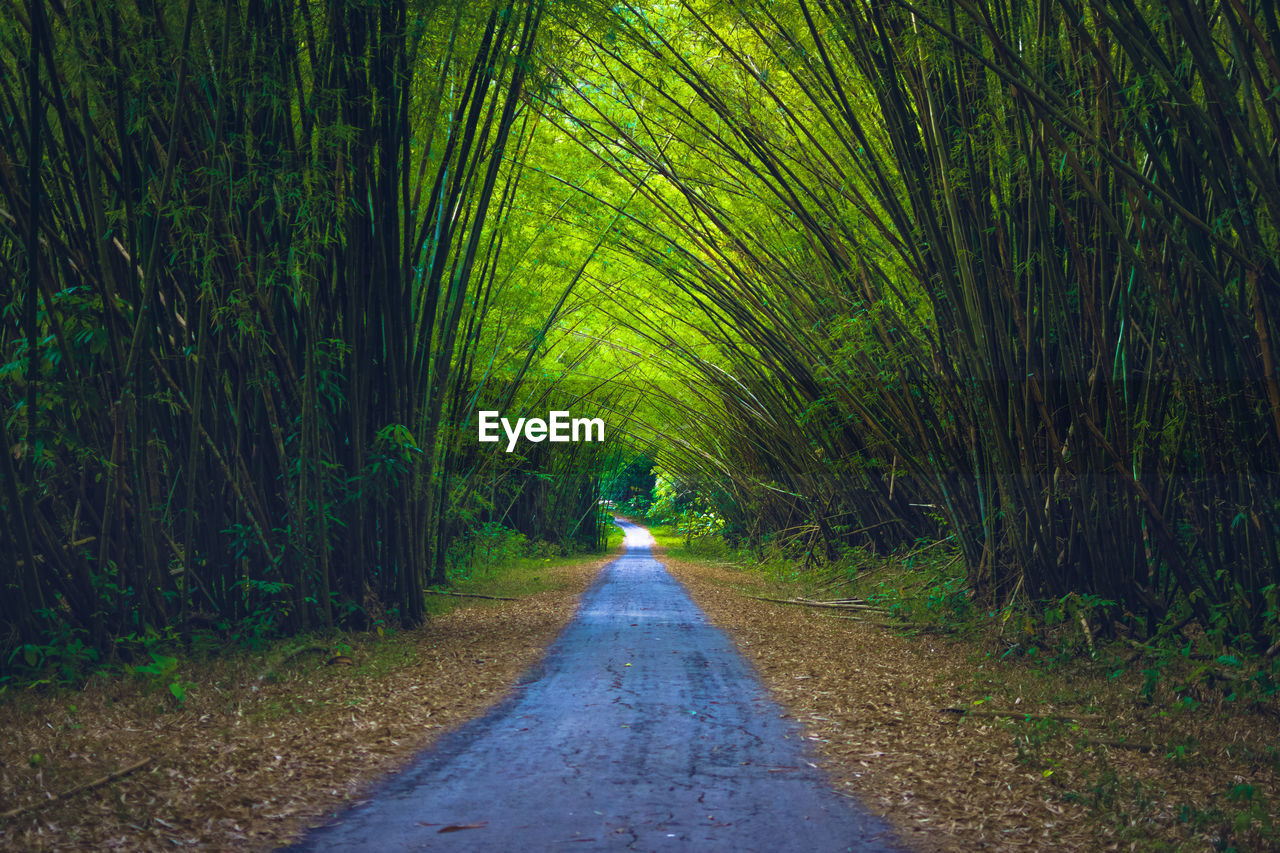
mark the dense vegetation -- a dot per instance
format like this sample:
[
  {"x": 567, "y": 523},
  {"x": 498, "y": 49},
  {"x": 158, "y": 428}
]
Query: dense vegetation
[
  {"x": 256, "y": 284},
  {"x": 1000, "y": 273},
  {"x": 994, "y": 273}
]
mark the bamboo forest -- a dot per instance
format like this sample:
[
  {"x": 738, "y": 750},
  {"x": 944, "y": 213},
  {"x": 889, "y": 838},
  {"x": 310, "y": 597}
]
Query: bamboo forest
[{"x": 931, "y": 345}]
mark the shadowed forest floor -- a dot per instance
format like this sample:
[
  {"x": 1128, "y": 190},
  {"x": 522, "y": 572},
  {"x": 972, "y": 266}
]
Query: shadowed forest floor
[
  {"x": 253, "y": 757},
  {"x": 261, "y": 750},
  {"x": 1093, "y": 768}
]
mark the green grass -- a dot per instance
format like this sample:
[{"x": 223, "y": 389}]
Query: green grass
[
  {"x": 711, "y": 548},
  {"x": 514, "y": 577},
  {"x": 924, "y": 588}
]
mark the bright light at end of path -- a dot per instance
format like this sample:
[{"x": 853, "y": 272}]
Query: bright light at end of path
[{"x": 637, "y": 537}]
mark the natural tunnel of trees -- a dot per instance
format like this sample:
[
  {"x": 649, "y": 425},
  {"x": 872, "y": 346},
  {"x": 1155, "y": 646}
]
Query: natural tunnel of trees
[{"x": 863, "y": 272}]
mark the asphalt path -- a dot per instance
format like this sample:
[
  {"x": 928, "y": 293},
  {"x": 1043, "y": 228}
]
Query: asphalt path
[{"x": 642, "y": 729}]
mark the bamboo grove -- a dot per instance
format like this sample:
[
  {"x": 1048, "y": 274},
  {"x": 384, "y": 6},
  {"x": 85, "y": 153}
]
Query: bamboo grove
[
  {"x": 253, "y": 253},
  {"x": 862, "y": 272},
  {"x": 993, "y": 271}
]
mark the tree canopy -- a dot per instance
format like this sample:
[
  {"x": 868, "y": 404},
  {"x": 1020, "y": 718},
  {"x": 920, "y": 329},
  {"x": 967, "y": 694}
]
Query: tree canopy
[{"x": 863, "y": 274}]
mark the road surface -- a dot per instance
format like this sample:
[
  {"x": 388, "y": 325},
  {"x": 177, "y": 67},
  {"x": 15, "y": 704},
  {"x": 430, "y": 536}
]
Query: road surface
[{"x": 642, "y": 729}]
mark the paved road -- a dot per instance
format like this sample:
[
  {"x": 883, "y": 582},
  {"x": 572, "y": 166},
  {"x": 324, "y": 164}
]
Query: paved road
[{"x": 643, "y": 729}]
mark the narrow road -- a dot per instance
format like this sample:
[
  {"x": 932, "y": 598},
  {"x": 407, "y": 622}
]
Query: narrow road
[{"x": 643, "y": 729}]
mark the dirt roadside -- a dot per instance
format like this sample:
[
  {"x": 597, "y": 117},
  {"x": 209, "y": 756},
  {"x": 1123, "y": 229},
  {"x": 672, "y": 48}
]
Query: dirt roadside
[
  {"x": 1078, "y": 775},
  {"x": 248, "y": 762},
  {"x": 641, "y": 730}
]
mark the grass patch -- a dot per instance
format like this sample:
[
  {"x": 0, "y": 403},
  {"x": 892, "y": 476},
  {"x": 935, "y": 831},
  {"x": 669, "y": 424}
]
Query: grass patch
[
  {"x": 925, "y": 586},
  {"x": 514, "y": 576}
]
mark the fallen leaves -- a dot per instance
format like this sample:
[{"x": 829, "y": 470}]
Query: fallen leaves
[
  {"x": 875, "y": 705},
  {"x": 250, "y": 763}
]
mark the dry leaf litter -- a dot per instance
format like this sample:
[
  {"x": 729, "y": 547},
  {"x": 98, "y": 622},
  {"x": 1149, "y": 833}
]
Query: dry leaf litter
[
  {"x": 251, "y": 762},
  {"x": 872, "y": 700}
]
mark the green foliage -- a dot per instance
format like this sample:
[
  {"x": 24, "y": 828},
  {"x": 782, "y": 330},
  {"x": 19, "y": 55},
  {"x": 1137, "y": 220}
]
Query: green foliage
[
  {"x": 887, "y": 316},
  {"x": 682, "y": 505},
  {"x": 243, "y": 387},
  {"x": 629, "y": 481},
  {"x": 1009, "y": 286},
  {"x": 487, "y": 546},
  {"x": 62, "y": 660},
  {"x": 162, "y": 671}
]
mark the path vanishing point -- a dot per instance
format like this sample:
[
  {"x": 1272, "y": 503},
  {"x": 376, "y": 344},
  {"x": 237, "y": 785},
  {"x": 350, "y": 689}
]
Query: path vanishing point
[{"x": 642, "y": 729}]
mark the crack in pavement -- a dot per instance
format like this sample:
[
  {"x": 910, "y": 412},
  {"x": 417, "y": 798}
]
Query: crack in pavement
[{"x": 665, "y": 740}]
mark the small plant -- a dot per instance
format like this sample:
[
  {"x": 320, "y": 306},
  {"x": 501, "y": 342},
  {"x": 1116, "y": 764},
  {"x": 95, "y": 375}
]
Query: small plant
[
  {"x": 1031, "y": 740},
  {"x": 59, "y": 661},
  {"x": 163, "y": 670},
  {"x": 179, "y": 690}
]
